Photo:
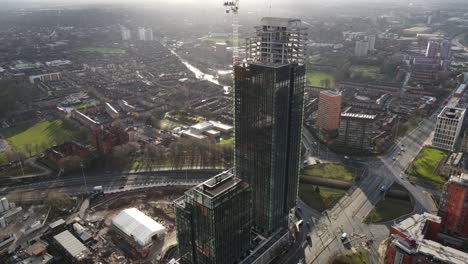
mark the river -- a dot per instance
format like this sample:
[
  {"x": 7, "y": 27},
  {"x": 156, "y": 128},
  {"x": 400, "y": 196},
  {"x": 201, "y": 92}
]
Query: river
[{"x": 201, "y": 75}]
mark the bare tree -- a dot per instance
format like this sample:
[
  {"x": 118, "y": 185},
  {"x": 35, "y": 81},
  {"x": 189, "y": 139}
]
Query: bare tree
[{"x": 29, "y": 148}]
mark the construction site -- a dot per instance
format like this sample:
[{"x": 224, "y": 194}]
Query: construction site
[{"x": 115, "y": 227}]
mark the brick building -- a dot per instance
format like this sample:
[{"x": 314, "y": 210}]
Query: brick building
[
  {"x": 329, "y": 110},
  {"x": 105, "y": 139},
  {"x": 453, "y": 206}
]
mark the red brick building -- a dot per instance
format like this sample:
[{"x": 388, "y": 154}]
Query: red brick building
[
  {"x": 105, "y": 139},
  {"x": 58, "y": 152},
  {"x": 329, "y": 110},
  {"x": 415, "y": 240},
  {"x": 454, "y": 206}
]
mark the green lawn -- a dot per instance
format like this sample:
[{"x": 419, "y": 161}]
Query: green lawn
[
  {"x": 43, "y": 135},
  {"x": 356, "y": 258},
  {"x": 82, "y": 106},
  {"x": 366, "y": 71},
  {"x": 388, "y": 209},
  {"x": 314, "y": 78},
  {"x": 226, "y": 141},
  {"x": 425, "y": 163},
  {"x": 329, "y": 171},
  {"x": 326, "y": 199},
  {"x": 216, "y": 39},
  {"x": 103, "y": 50}
]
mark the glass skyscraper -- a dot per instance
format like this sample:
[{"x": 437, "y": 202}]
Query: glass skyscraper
[{"x": 269, "y": 102}]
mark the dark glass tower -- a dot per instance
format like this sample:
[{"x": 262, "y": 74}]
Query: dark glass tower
[
  {"x": 214, "y": 221},
  {"x": 269, "y": 101}
]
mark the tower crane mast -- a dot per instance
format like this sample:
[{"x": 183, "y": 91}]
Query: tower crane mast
[{"x": 232, "y": 7}]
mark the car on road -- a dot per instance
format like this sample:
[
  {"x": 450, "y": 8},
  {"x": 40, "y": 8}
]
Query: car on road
[
  {"x": 317, "y": 161},
  {"x": 394, "y": 158},
  {"x": 399, "y": 152},
  {"x": 346, "y": 157},
  {"x": 25, "y": 216},
  {"x": 382, "y": 188},
  {"x": 344, "y": 236}
]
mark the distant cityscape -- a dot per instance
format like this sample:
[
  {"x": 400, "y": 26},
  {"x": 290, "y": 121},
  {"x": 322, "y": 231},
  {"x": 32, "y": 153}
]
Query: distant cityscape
[{"x": 192, "y": 133}]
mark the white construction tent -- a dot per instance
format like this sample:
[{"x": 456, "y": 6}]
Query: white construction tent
[{"x": 138, "y": 226}]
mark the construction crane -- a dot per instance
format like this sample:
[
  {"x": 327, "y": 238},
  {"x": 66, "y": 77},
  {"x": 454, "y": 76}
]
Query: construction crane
[{"x": 232, "y": 7}]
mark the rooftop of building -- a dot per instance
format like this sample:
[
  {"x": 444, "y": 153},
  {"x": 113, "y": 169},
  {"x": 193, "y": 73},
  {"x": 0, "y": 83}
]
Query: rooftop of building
[
  {"x": 452, "y": 113},
  {"x": 219, "y": 184},
  {"x": 331, "y": 93},
  {"x": 282, "y": 22},
  {"x": 460, "y": 179},
  {"x": 72, "y": 245},
  {"x": 358, "y": 116},
  {"x": 414, "y": 228}
]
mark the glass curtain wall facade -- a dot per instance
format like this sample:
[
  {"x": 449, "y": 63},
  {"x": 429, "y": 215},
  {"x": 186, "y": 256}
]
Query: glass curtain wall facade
[
  {"x": 214, "y": 221},
  {"x": 268, "y": 124}
]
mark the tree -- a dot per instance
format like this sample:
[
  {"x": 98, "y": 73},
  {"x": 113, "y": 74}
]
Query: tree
[
  {"x": 59, "y": 200},
  {"x": 317, "y": 189},
  {"x": 327, "y": 83},
  {"x": 70, "y": 163},
  {"x": 13, "y": 156}
]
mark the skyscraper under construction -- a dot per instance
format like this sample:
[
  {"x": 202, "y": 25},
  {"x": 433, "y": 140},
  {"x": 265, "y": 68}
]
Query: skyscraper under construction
[{"x": 269, "y": 101}]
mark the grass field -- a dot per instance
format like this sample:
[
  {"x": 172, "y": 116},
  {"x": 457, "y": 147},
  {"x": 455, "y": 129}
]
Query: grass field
[
  {"x": 39, "y": 136},
  {"x": 356, "y": 258},
  {"x": 227, "y": 141},
  {"x": 326, "y": 199},
  {"x": 82, "y": 106},
  {"x": 314, "y": 78},
  {"x": 389, "y": 209},
  {"x": 366, "y": 71},
  {"x": 215, "y": 39},
  {"x": 425, "y": 163},
  {"x": 103, "y": 50},
  {"x": 329, "y": 171}
]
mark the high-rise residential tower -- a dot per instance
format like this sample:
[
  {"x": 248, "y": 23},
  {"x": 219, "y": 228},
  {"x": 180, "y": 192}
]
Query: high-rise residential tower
[
  {"x": 269, "y": 101},
  {"x": 329, "y": 110},
  {"x": 448, "y": 128}
]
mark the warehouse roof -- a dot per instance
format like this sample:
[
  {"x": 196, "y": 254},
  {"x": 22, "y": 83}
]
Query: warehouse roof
[
  {"x": 136, "y": 224},
  {"x": 72, "y": 245}
]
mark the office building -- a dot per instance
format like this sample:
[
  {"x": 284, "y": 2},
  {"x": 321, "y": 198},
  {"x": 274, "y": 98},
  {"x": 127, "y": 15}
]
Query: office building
[
  {"x": 329, "y": 110},
  {"x": 356, "y": 131},
  {"x": 269, "y": 102},
  {"x": 448, "y": 128},
  {"x": 214, "y": 221},
  {"x": 126, "y": 33},
  {"x": 424, "y": 70},
  {"x": 371, "y": 39},
  {"x": 145, "y": 34},
  {"x": 416, "y": 240},
  {"x": 361, "y": 48},
  {"x": 453, "y": 208},
  {"x": 432, "y": 49}
]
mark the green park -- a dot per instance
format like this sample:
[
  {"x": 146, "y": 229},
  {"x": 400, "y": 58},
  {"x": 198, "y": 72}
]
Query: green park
[{"x": 425, "y": 164}]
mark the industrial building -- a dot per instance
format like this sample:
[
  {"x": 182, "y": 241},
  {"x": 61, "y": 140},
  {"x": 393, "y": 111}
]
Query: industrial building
[
  {"x": 111, "y": 111},
  {"x": 84, "y": 119},
  {"x": 214, "y": 221},
  {"x": 329, "y": 110},
  {"x": 138, "y": 228},
  {"x": 207, "y": 129},
  {"x": 73, "y": 250},
  {"x": 269, "y": 103},
  {"x": 448, "y": 128},
  {"x": 356, "y": 131}
]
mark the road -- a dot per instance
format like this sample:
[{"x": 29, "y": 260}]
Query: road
[
  {"x": 76, "y": 183},
  {"x": 348, "y": 215}
]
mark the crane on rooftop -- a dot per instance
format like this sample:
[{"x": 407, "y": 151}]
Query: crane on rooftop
[{"x": 232, "y": 7}]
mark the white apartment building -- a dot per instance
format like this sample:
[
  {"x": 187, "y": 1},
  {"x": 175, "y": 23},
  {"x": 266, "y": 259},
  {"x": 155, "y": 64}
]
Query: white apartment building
[{"x": 448, "y": 128}]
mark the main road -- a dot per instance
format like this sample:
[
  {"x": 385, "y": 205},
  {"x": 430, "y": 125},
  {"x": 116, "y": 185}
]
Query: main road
[{"x": 348, "y": 215}]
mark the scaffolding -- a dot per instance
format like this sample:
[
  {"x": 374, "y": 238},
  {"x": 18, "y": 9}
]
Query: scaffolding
[{"x": 278, "y": 41}]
